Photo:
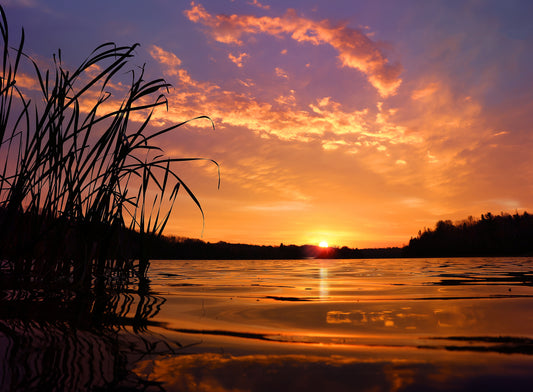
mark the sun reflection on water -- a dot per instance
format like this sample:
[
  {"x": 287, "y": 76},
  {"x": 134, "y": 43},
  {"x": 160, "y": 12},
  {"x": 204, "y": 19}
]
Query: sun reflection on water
[{"x": 324, "y": 281}]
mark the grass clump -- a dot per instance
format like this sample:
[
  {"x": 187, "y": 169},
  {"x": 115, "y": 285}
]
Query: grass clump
[{"x": 81, "y": 178}]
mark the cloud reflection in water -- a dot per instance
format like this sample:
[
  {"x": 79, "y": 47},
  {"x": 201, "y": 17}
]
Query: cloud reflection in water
[{"x": 221, "y": 373}]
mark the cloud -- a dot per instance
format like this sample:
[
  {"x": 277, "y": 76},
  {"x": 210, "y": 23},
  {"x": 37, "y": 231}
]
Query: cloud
[
  {"x": 426, "y": 92},
  {"x": 168, "y": 59},
  {"x": 324, "y": 121},
  {"x": 255, "y": 174},
  {"x": 171, "y": 67},
  {"x": 27, "y": 82},
  {"x": 238, "y": 60},
  {"x": 500, "y": 133},
  {"x": 355, "y": 49},
  {"x": 259, "y": 5},
  {"x": 246, "y": 83},
  {"x": 280, "y": 73}
]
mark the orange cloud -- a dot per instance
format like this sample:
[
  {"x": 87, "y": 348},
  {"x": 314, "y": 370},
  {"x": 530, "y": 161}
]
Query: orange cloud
[
  {"x": 170, "y": 60},
  {"x": 259, "y": 5},
  {"x": 355, "y": 49},
  {"x": 425, "y": 92},
  {"x": 280, "y": 118},
  {"x": 27, "y": 82},
  {"x": 280, "y": 73},
  {"x": 238, "y": 60}
]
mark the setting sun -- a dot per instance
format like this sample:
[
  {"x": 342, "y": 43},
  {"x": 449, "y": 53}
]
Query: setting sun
[{"x": 323, "y": 244}]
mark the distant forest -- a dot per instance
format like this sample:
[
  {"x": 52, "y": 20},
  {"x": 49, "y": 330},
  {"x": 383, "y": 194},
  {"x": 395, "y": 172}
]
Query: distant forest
[
  {"x": 194, "y": 249},
  {"x": 492, "y": 235}
]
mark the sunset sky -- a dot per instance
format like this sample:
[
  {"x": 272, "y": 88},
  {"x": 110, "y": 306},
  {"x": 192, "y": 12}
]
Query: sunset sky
[{"x": 352, "y": 122}]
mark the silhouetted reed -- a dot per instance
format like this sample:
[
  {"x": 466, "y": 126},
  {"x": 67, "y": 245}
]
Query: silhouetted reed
[{"x": 81, "y": 180}]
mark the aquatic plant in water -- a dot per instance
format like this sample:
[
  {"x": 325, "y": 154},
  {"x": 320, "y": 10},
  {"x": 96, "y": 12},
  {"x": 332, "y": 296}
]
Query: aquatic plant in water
[
  {"x": 81, "y": 179},
  {"x": 83, "y": 189}
]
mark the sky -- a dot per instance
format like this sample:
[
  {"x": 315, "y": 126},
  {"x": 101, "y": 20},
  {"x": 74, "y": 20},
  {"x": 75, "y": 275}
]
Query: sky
[{"x": 357, "y": 123}]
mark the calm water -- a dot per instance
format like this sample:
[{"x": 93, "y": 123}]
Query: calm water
[
  {"x": 462, "y": 324},
  {"x": 408, "y": 324}
]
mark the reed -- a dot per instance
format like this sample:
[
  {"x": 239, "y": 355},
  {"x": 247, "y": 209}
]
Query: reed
[{"x": 81, "y": 181}]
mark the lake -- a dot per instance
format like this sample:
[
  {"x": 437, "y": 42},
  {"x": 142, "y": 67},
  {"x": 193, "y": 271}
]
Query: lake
[
  {"x": 312, "y": 325},
  {"x": 376, "y": 325}
]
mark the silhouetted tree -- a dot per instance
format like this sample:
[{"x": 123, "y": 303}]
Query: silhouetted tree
[{"x": 492, "y": 235}]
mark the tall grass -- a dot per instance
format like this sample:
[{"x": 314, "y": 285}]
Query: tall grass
[{"x": 76, "y": 171}]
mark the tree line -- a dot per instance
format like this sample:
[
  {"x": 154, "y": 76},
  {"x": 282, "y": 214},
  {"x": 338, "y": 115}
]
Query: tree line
[
  {"x": 492, "y": 235},
  {"x": 169, "y": 247}
]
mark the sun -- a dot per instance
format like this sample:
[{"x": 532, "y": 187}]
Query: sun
[{"x": 323, "y": 244}]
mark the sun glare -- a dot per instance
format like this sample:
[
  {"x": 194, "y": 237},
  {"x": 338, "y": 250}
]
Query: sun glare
[{"x": 323, "y": 244}]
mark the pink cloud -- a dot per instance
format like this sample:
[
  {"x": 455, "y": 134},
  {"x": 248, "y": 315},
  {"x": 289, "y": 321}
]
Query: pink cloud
[
  {"x": 238, "y": 60},
  {"x": 355, "y": 49}
]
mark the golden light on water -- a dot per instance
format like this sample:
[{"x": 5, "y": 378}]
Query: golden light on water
[{"x": 324, "y": 283}]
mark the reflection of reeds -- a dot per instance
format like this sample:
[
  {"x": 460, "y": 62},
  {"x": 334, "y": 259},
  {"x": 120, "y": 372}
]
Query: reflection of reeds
[
  {"x": 77, "y": 178},
  {"x": 67, "y": 345}
]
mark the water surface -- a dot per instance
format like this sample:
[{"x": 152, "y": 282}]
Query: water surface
[
  {"x": 461, "y": 324},
  {"x": 398, "y": 324}
]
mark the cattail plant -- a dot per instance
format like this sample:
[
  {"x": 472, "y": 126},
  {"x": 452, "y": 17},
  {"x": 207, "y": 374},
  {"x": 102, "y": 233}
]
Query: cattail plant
[{"x": 80, "y": 178}]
